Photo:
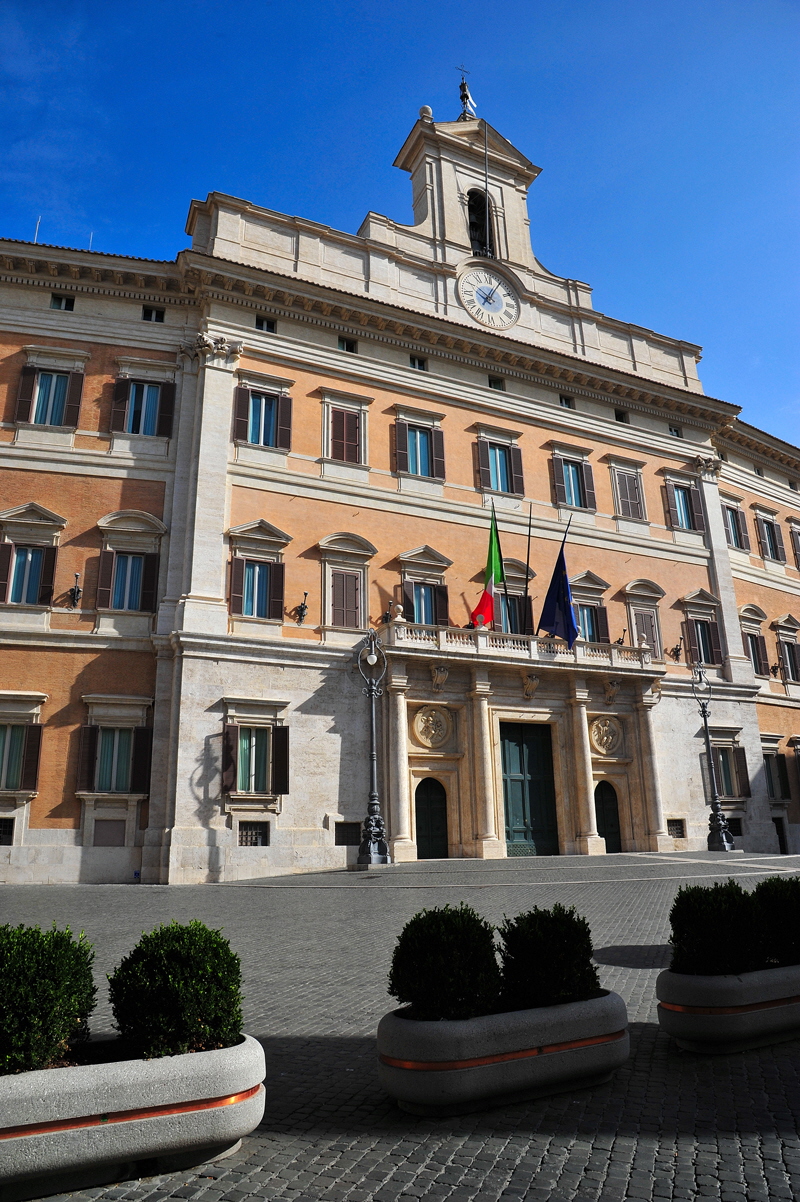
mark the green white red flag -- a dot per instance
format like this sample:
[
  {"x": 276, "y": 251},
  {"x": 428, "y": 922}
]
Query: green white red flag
[{"x": 488, "y": 608}]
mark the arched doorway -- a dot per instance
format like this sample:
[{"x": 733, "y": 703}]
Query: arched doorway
[
  {"x": 430, "y": 801},
  {"x": 607, "y": 811}
]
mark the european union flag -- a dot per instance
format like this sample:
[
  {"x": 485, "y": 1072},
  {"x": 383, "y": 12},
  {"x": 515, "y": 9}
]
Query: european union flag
[{"x": 558, "y": 616}]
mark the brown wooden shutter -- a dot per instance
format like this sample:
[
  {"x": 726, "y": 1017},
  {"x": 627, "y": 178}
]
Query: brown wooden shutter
[
  {"x": 783, "y": 776},
  {"x": 6, "y": 550},
  {"x": 408, "y": 602},
  {"x": 352, "y": 423},
  {"x": 763, "y": 658},
  {"x": 601, "y": 624},
  {"x": 716, "y": 645},
  {"x": 645, "y": 626},
  {"x": 672, "y": 507},
  {"x": 779, "y": 547},
  {"x": 526, "y": 608},
  {"x": 166, "y": 409},
  {"x": 630, "y": 501},
  {"x": 691, "y": 641},
  {"x": 696, "y": 503},
  {"x": 87, "y": 758},
  {"x": 27, "y": 383},
  {"x": 557, "y": 468},
  {"x": 517, "y": 478},
  {"x": 437, "y": 453},
  {"x": 72, "y": 409},
  {"x": 237, "y": 585},
  {"x": 763, "y": 545},
  {"x": 589, "y": 498},
  {"x": 104, "y": 578},
  {"x": 119, "y": 407},
  {"x": 351, "y": 607},
  {"x": 280, "y": 759},
  {"x": 141, "y": 759},
  {"x": 149, "y": 583},
  {"x": 337, "y": 598},
  {"x": 790, "y": 659},
  {"x": 741, "y": 522},
  {"x": 401, "y": 446},
  {"x": 275, "y": 590},
  {"x": 241, "y": 414},
  {"x": 795, "y": 533},
  {"x": 705, "y": 773},
  {"x": 742, "y": 774},
  {"x": 337, "y": 433},
  {"x": 718, "y": 778},
  {"x": 283, "y": 425},
  {"x": 441, "y": 611},
  {"x": 230, "y": 757},
  {"x": 484, "y": 471},
  {"x": 47, "y": 578},
  {"x": 30, "y": 758}
]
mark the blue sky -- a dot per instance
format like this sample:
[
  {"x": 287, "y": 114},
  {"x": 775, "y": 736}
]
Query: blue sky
[{"x": 667, "y": 131}]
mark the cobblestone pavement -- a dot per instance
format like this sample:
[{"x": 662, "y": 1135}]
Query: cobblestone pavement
[{"x": 315, "y": 951}]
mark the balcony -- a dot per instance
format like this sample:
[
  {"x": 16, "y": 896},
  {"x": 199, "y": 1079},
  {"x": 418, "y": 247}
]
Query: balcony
[{"x": 409, "y": 638}]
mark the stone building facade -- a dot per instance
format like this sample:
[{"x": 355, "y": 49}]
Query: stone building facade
[{"x": 218, "y": 471}]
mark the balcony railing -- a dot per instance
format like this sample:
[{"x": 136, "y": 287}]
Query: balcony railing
[{"x": 491, "y": 644}]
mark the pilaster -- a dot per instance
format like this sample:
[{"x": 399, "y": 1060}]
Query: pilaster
[
  {"x": 587, "y": 841},
  {"x": 403, "y": 846},
  {"x": 737, "y": 666},
  {"x": 488, "y": 845},
  {"x": 656, "y": 837}
]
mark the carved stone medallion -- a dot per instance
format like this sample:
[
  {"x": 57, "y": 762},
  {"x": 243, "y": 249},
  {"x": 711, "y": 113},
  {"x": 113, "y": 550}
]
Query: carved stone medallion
[
  {"x": 605, "y": 735},
  {"x": 432, "y": 726}
]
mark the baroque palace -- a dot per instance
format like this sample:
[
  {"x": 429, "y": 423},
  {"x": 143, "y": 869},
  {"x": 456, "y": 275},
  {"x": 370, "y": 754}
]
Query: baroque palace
[{"x": 218, "y": 472}]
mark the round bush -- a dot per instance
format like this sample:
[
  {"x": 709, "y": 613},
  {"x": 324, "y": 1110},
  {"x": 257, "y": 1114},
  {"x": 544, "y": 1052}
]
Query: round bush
[
  {"x": 178, "y": 991},
  {"x": 777, "y": 904},
  {"x": 715, "y": 931},
  {"x": 547, "y": 959},
  {"x": 444, "y": 965},
  {"x": 46, "y": 997}
]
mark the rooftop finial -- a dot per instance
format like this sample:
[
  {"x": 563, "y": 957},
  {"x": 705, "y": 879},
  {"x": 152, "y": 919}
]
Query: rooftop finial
[{"x": 467, "y": 103}]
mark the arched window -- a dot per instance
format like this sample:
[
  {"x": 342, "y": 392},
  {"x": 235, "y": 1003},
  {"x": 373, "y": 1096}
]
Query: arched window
[{"x": 481, "y": 235}]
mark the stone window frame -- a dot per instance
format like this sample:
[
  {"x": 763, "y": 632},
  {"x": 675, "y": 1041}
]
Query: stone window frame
[
  {"x": 587, "y": 588},
  {"x": 422, "y": 565},
  {"x": 787, "y": 630},
  {"x": 631, "y": 467},
  {"x": 261, "y": 542},
  {"x": 702, "y": 606},
  {"x": 347, "y": 552},
  {"x": 643, "y": 596},
  {"x": 351, "y": 402},
  {"x": 31, "y": 525},
  {"x": 779, "y": 796},
  {"x": 115, "y": 711},
  {"x": 751, "y": 618},
  {"x": 20, "y": 707},
  {"x": 267, "y": 713},
  {"x": 728, "y": 738}
]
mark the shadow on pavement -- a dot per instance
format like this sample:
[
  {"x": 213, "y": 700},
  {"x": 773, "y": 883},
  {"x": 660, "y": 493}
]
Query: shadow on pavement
[{"x": 635, "y": 955}]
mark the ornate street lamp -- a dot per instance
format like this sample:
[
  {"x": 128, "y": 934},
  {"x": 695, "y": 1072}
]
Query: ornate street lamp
[
  {"x": 719, "y": 837},
  {"x": 372, "y": 666}
]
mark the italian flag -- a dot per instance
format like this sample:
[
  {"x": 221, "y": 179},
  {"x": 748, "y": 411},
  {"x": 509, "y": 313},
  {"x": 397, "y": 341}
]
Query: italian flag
[{"x": 484, "y": 611}]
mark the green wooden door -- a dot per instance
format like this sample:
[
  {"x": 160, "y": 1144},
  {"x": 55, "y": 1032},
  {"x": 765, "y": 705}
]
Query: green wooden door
[
  {"x": 607, "y": 810},
  {"x": 431, "y": 810},
  {"x": 528, "y": 789}
]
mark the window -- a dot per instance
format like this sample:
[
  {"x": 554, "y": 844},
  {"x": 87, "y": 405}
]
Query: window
[
  {"x": 574, "y": 483},
  {"x": 730, "y": 772},
  {"x": 346, "y": 435},
  {"x": 499, "y": 464},
  {"x": 794, "y": 534},
  {"x": 759, "y": 471},
  {"x": 6, "y": 832},
  {"x": 735, "y": 528},
  {"x": 770, "y": 540},
  {"x": 676, "y": 431},
  {"x": 127, "y": 581},
  {"x": 499, "y": 468},
  {"x": 423, "y": 604},
  {"x": 348, "y": 344},
  {"x": 151, "y": 314},
  {"x": 143, "y": 408},
  {"x": 725, "y": 772},
  {"x": 755, "y": 646},
  {"x": 262, "y": 418},
  {"x": 254, "y": 834},
  {"x": 592, "y": 621},
  {"x": 777, "y": 777},
  {"x": 419, "y": 450},
  {"x": 516, "y": 614},
  {"x": 267, "y": 325},
  {"x": 621, "y": 415},
  {"x": 790, "y": 656},
  {"x": 26, "y": 581},
  {"x": 704, "y": 641},
  {"x": 253, "y": 759},
  {"x": 497, "y": 383},
  {"x": 793, "y": 485},
  {"x": 481, "y": 234},
  {"x": 418, "y": 363},
  {"x": 12, "y": 744},
  {"x": 50, "y": 399},
  {"x": 262, "y": 425},
  {"x": 65, "y": 303},
  {"x": 676, "y": 828},
  {"x": 685, "y": 507},
  {"x": 645, "y": 630},
  {"x": 346, "y": 599},
  {"x": 629, "y": 494},
  {"x": 257, "y": 588},
  {"x": 347, "y": 834},
  {"x": 114, "y": 750},
  {"x": 127, "y": 592},
  {"x": 566, "y": 402},
  {"x": 735, "y": 827}
]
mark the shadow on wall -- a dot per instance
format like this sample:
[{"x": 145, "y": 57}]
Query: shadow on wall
[{"x": 339, "y": 699}]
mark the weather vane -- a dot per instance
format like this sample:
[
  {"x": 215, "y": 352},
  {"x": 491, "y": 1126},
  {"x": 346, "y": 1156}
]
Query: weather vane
[{"x": 467, "y": 103}]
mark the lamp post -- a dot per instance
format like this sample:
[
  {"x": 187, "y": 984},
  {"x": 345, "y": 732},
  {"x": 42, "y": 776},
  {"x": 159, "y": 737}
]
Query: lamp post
[
  {"x": 372, "y": 666},
  {"x": 719, "y": 837}
]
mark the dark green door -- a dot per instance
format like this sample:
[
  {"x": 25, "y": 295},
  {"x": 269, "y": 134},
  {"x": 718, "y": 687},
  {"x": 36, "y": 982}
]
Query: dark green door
[
  {"x": 528, "y": 790},
  {"x": 431, "y": 809},
  {"x": 607, "y": 810}
]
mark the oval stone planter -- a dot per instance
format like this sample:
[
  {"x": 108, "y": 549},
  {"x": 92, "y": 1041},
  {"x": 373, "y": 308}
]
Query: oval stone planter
[
  {"x": 74, "y": 1122},
  {"x": 457, "y": 1066},
  {"x": 730, "y": 1013}
]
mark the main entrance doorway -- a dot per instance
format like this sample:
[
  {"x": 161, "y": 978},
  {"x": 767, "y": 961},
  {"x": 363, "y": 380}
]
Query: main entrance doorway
[
  {"x": 430, "y": 803},
  {"x": 607, "y": 811},
  {"x": 528, "y": 789}
]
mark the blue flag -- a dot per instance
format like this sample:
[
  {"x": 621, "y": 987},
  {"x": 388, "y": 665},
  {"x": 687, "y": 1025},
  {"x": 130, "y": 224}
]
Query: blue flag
[{"x": 558, "y": 616}]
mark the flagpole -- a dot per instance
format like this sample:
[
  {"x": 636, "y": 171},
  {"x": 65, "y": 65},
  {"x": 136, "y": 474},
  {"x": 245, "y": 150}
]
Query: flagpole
[
  {"x": 503, "y": 567},
  {"x": 486, "y": 179},
  {"x": 528, "y": 564},
  {"x": 563, "y": 542}
]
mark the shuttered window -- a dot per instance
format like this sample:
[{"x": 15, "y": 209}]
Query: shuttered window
[
  {"x": 516, "y": 614},
  {"x": 345, "y": 435},
  {"x": 755, "y": 647},
  {"x": 770, "y": 540},
  {"x": 735, "y": 528},
  {"x": 115, "y": 759},
  {"x": 685, "y": 507},
  {"x": 646, "y": 628},
  {"x": 257, "y": 588},
  {"x": 262, "y": 419},
  {"x": 27, "y": 574},
  {"x": 141, "y": 407},
  {"x": 345, "y": 599},
  {"x": 629, "y": 494},
  {"x": 573, "y": 483},
  {"x": 790, "y": 655},
  {"x": 255, "y": 759},
  {"x": 49, "y": 398},
  {"x": 704, "y": 641},
  {"x": 592, "y": 623},
  {"x": 126, "y": 581}
]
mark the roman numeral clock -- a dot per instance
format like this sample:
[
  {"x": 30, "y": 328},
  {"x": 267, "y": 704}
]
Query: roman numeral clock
[{"x": 489, "y": 298}]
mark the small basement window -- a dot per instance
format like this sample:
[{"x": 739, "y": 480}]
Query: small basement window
[
  {"x": 267, "y": 325},
  {"x": 735, "y": 827},
  {"x": 621, "y": 415},
  {"x": 347, "y": 834},
  {"x": 151, "y": 314},
  {"x": 498, "y": 383},
  {"x": 348, "y": 344},
  {"x": 6, "y": 832},
  {"x": 676, "y": 828},
  {"x": 65, "y": 303},
  {"x": 254, "y": 834},
  {"x": 418, "y": 363},
  {"x": 759, "y": 471},
  {"x": 566, "y": 402},
  {"x": 676, "y": 431}
]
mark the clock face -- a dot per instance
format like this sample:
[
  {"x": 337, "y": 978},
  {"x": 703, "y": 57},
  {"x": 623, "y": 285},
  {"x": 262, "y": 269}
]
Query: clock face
[{"x": 488, "y": 298}]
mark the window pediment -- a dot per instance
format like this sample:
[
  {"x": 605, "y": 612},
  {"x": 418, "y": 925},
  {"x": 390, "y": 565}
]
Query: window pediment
[
  {"x": 252, "y": 711},
  {"x": 111, "y": 709},
  {"x": 346, "y": 546},
  {"x": 700, "y": 604},
  {"x": 517, "y": 573},
  {"x": 258, "y": 536},
  {"x": 32, "y": 523},
  {"x": 753, "y": 613},
  {"x": 131, "y": 530},
  {"x": 588, "y": 587},
  {"x": 261, "y": 382},
  {"x": 156, "y": 371},
  {"x": 786, "y": 626},
  {"x": 425, "y": 558},
  {"x": 497, "y": 434},
  {"x": 644, "y": 590},
  {"x": 21, "y": 706},
  {"x": 56, "y": 358}
]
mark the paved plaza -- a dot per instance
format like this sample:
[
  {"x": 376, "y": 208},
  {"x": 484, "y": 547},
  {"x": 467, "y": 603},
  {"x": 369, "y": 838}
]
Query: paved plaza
[{"x": 315, "y": 951}]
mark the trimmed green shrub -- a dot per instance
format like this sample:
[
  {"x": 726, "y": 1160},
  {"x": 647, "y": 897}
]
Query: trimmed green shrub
[
  {"x": 46, "y": 996},
  {"x": 444, "y": 965},
  {"x": 777, "y": 903},
  {"x": 715, "y": 931},
  {"x": 178, "y": 991},
  {"x": 546, "y": 958}
]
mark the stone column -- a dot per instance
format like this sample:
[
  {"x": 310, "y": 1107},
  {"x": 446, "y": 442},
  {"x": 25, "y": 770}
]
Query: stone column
[
  {"x": 657, "y": 838},
  {"x": 402, "y": 845},
  {"x": 737, "y": 666},
  {"x": 587, "y": 840},
  {"x": 489, "y": 846}
]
